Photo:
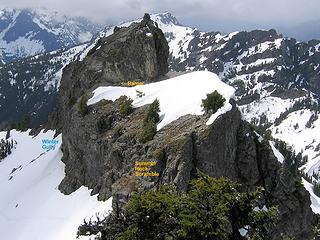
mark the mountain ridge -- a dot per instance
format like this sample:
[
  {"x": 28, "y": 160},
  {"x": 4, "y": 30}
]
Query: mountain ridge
[
  {"x": 274, "y": 76},
  {"x": 27, "y": 32},
  {"x": 101, "y": 145}
]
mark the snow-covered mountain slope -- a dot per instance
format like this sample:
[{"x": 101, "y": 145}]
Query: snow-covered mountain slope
[
  {"x": 30, "y": 198},
  {"x": 277, "y": 80},
  {"x": 258, "y": 63},
  {"x": 28, "y": 32},
  {"x": 29, "y": 86},
  {"x": 196, "y": 84}
]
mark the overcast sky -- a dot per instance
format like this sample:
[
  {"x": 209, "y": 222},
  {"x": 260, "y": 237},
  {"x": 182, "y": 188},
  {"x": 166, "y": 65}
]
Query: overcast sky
[{"x": 223, "y": 15}]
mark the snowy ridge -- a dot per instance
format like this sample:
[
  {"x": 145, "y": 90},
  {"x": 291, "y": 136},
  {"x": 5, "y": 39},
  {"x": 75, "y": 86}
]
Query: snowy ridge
[
  {"x": 193, "y": 87},
  {"x": 30, "y": 198}
]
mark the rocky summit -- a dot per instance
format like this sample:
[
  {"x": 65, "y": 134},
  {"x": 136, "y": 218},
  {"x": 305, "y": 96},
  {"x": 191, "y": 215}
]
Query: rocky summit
[
  {"x": 135, "y": 53},
  {"x": 101, "y": 146},
  {"x": 138, "y": 52}
]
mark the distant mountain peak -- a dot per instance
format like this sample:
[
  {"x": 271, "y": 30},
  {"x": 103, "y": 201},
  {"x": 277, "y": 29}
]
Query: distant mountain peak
[
  {"x": 27, "y": 32},
  {"x": 167, "y": 18}
]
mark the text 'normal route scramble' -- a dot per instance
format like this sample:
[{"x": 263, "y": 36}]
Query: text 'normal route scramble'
[{"x": 142, "y": 169}]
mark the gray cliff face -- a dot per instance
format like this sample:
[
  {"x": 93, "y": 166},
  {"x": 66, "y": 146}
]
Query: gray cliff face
[
  {"x": 101, "y": 147},
  {"x": 104, "y": 160},
  {"x": 136, "y": 53}
]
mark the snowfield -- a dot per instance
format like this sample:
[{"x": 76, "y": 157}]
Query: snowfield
[
  {"x": 178, "y": 96},
  {"x": 30, "y": 200},
  {"x": 293, "y": 130},
  {"x": 315, "y": 200}
]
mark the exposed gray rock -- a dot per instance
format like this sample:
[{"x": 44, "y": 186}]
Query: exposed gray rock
[
  {"x": 105, "y": 161},
  {"x": 101, "y": 147},
  {"x": 135, "y": 53}
]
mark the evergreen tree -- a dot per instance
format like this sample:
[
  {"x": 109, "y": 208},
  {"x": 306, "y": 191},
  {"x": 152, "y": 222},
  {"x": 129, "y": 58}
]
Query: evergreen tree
[
  {"x": 153, "y": 112},
  {"x": 8, "y": 148},
  {"x": 213, "y": 102},
  {"x": 150, "y": 121},
  {"x": 82, "y": 105},
  {"x": 26, "y": 122},
  {"x": 8, "y": 134},
  {"x": 316, "y": 188},
  {"x": 125, "y": 105},
  {"x": 148, "y": 131},
  {"x": 213, "y": 209},
  {"x": 5, "y": 148}
]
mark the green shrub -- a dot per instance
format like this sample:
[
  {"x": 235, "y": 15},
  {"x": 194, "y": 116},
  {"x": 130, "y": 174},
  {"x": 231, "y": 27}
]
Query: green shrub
[
  {"x": 82, "y": 105},
  {"x": 150, "y": 121},
  {"x": 212, "y": 209},
  {"x": 213, "y": 102},
  {"x": 153, "y": 112},
  {"x": 316, "y": 188},
  {"x": 125, "y": 105},
  {"x": 22, "y": 125},
  {"x": 148, "y": 131},
  {"x": 159, "y": 154}
]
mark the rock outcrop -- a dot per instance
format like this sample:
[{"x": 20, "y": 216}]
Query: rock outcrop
[
  {"x": 103, "y": 158},
  {"x": 101, "y": 147},
  {"x": 135, "y": 53}
]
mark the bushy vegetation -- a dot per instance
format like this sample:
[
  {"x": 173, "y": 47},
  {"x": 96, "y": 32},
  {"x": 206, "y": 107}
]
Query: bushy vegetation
[
  {"x": 314, "y": 180},
  {"x": 22, "y": 125},
  {"x": 153, "y": 112},
  {"x": 5, "y": 148},
  {"x": 316, "y": 188},
  {"x": 150, "y": 121},
  {"x": 306, "y": 176},
  {"x": 125, "y": 105},
  {"x": 213, "y": 102},
  {"x": 312, "y": 119},
  {"x": 292, "y": 160},
  {"x": 148, "y": 131},
  {"x": 82, "y": 105},
  {"x": 263, "y": 131},
  {"x": 213, "y": 209},
  {"x": 316, "y": 228}
]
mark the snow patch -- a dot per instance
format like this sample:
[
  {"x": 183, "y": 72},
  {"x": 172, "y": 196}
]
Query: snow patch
[
  {"x": 30, "y": 198},
  {"x": 315, "y": 200},
  {"x": 178, "y": 96},
  {"x": 276, "y": 152}
]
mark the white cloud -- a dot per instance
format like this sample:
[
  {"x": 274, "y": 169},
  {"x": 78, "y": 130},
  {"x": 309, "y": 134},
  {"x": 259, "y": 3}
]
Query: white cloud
[{"x": 203, "y": 13}]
